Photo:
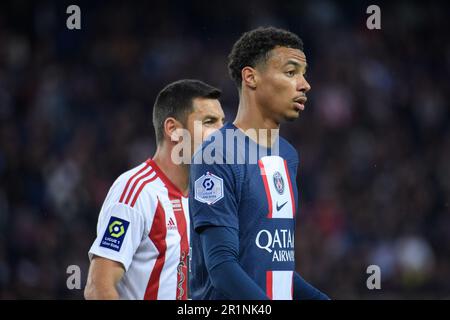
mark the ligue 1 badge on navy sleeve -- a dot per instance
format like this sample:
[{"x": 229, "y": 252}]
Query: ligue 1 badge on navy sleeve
[{"x": 208, "y": 188}]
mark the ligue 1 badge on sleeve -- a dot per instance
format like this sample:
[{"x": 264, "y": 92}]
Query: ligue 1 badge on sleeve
[
  {"x": 208, "y": 188},
  {"x": 115, "y": 233}
]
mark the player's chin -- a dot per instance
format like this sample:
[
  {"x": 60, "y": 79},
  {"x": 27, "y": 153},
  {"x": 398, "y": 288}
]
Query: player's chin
[{"x": 292, "y": 115}]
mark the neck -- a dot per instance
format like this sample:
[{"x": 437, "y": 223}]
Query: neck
[
  {"x": 177, "y": 174},
  {"x": 251, "y": 116}
]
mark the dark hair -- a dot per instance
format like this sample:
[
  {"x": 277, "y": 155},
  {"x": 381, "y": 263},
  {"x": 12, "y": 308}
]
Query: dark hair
[
  {"x": 175, "y": 100},
  {"x": 253, "y": 47}
]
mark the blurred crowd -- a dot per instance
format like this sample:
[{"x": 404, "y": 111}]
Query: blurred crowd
[{"x": 374, "y": 140}]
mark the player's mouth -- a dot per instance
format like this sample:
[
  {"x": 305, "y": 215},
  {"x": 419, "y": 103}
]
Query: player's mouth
[{"x": 299, "y": 103}]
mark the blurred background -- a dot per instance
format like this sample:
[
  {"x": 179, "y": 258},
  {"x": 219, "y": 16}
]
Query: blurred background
[{"x": 374, "y": 140}]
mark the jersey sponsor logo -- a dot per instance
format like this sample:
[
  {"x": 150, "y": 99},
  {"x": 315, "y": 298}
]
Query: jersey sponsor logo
[
  {"x": 208, "y": 188},
  {"x": 171, "y": 224},
  {"x": 279, "y": 243},
  {"x": 114, "y": 234},
  {"x": 278, "y": 182}
]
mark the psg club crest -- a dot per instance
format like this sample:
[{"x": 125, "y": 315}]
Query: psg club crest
[{"x": 278, "y": 182}]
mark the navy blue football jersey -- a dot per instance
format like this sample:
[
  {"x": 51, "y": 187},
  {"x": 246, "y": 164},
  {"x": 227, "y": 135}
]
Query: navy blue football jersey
[{"x": 239, "y": 184}]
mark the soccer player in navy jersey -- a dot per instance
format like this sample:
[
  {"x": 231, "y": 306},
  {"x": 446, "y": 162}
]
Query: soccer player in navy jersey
[{"x": 243, "y": 193}]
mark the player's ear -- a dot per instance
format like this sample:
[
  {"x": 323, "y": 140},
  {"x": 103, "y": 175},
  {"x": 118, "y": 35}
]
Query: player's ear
[
  {"x": 249, "y": 77},
  {"x": 173, "y": 129}
]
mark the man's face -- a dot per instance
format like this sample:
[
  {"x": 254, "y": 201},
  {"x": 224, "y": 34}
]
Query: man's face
[
  {"x": 281, "y": 85},
  {"x": 208, "y": 115}
]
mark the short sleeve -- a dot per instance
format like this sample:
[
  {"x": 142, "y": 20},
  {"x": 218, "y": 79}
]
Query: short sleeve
[{"x": 119, "y": 233}]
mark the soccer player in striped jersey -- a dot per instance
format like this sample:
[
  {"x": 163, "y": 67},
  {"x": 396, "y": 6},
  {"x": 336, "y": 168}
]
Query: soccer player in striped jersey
[
  {"x": 142, "y": 245},
  {"x": 243, "y": 204}
]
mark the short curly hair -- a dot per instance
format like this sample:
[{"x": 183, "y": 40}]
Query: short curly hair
[{"x": 253, "y": 47}]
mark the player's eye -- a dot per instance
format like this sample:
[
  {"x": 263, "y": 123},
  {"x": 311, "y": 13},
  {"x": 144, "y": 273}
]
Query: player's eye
[{"x": 290, "y": 73}]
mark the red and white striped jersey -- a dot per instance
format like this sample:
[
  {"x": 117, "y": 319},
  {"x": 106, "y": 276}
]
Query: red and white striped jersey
[{"x": 144, "y": 224}]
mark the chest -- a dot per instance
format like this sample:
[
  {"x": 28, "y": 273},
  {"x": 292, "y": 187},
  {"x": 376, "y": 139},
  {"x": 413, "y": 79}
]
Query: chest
[{"x": 269, "y": 191}]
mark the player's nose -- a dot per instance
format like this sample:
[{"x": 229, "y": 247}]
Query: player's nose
[{"x": 303, "y": 85}]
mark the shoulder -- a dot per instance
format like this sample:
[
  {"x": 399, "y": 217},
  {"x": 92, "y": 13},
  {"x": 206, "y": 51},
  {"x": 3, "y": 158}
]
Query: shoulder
[
  {"x": 213, "y": 148},
  {"x": 219, "y": 150},
  {"x": 288, "y": 151},
  {"x": 133, "y": 188}
]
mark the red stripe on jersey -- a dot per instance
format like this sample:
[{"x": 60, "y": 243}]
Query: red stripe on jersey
[
  {"x": 143, "y": 176},
  {"x": 184, "y": 250},
  {"x": 147, "y": 165},
  {"x": 136, "y": 196},
  {"x": 169, "y": 184},
  {"x": 266, "y": 187},
  {"x": 269, "y": 284},
  {"x": 290, "y": 188},
  {"x": 157, "y": 235}
]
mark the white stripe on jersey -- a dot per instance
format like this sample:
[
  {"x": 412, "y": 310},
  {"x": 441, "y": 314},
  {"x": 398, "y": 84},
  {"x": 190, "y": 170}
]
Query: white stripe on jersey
[
  {"x": 282, "y": 201},
  {"x": 282, "y": 283}
]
